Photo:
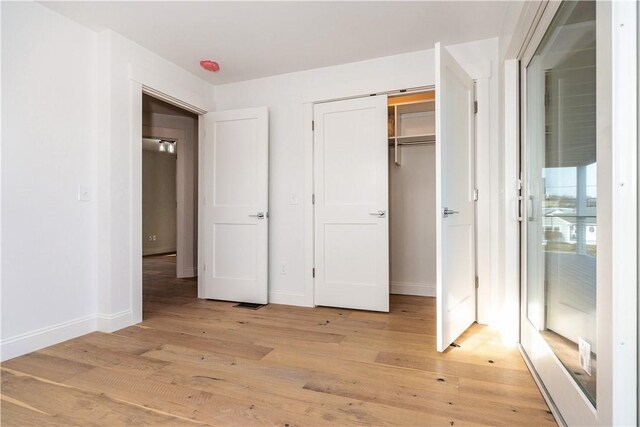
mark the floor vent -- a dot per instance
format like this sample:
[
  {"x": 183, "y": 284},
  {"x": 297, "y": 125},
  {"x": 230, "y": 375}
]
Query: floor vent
[{"x": 249, "y": 305}]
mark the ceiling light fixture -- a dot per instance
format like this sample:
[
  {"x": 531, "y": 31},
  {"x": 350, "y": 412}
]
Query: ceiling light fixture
[
  {"x": 210, "y": 65},
  {"x": 167, "y": 146}
]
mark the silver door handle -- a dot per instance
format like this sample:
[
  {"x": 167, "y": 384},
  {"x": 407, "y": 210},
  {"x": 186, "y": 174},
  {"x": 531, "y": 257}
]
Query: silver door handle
[
  {"x": 379, "y": 213},
  {"x": 259, "y": 215},
  {"x": 446, "y": 212}
]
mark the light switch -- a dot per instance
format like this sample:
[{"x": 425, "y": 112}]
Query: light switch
[
  {"x": 84, "y": 193},
  {"x": 293, "y": 199}
]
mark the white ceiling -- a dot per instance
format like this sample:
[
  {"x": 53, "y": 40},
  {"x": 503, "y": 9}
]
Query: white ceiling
[{"x": 258, "y": 39}]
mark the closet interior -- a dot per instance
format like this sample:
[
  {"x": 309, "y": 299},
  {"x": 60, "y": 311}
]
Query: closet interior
[{"x": 412, "y": 194}]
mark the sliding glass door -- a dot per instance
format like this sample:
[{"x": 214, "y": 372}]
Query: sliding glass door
[{"x": 561, "y": 227}]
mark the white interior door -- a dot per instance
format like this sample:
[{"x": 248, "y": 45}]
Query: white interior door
[
  {"x": 455, "y": 181},
  {"x": 235, "y": 194},
  {"x": 351, "y": 204}
]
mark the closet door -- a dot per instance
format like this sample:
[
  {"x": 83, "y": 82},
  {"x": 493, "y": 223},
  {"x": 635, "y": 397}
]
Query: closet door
[
  {"x": 351, "y": 204},
  {"x": 455, "y": 181},
  {"x": 234, "y": 189}
]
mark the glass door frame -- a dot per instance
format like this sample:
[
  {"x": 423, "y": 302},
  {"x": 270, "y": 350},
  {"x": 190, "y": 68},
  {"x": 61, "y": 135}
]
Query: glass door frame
[{"x": 568, "y": 401}]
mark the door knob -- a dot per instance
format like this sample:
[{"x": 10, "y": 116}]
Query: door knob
[
  {"x": 259, "y": 215},
  {"x": 379, "y": 213},
  {"x": 446, "y": 212}
]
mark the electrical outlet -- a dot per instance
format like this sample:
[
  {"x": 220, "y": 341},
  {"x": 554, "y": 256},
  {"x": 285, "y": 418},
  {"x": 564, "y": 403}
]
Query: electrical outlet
[
  {"x": 154, "y": 237},
  {"x": 150, "y": 238},
  {"x": 584, "y": 355},
  {"x": 284, "y": 268},
  {"x": 84, "y": 193}
]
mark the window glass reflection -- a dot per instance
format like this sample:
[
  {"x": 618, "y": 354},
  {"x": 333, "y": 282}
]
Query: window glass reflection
[{"x": 560, "y": 160}]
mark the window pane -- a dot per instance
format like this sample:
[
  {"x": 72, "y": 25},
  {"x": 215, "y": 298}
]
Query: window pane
[{"x": 561, "y": 166}]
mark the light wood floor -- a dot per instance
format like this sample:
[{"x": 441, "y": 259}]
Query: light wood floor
[{"x": 193, "y": 362}]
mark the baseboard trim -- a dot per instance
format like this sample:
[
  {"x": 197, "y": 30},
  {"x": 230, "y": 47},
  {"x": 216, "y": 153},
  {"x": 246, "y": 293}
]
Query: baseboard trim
[
  {"x": 44, "y": 337},
  {"x": 418, "y": 289},
  {"x": 115, "y": 321},
  {"x": 188, "y": 272},
  {"x": 287, "y": 299}
]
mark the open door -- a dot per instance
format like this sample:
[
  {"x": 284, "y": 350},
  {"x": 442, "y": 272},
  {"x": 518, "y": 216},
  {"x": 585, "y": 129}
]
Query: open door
[
  {"x": 351, "y": 204},
  {"x": 455, "y": 182},
  {"x": 235, "y": 195}
]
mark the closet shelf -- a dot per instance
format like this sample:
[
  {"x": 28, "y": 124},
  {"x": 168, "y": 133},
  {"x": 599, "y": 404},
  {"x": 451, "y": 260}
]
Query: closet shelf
[
  {"x": 412, "y": 139},
  {"x": 411, "y": 121}
]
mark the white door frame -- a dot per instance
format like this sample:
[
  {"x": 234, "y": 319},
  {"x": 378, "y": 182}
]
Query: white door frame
[
  {"x": 618, "y": 176},
  {"x": 309, "y": 223},
  {"x": 309, "y": 185},
  {"x": 141, "y": 82}
]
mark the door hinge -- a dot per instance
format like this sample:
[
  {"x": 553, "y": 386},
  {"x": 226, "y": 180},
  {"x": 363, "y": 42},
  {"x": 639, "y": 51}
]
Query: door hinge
[
  {"x": 313, "y": 272},
  {"x": 313, "y": 125},
  {"x": 475, "y": 195},
  {"x": 477, "y": 282},
  {"x": 475, "y": 107},
  {"x": 313, "y": 199}
]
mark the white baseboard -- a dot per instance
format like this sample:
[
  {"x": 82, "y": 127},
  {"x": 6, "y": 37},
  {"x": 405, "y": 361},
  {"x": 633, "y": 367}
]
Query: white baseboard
[
  {"x": 188, "y": 272},
  {"x": 418, "y": 289},
  {"x": 114, "y": 322},
  {"x": 44, "y": 337},
  {"x": 287, "y": 299}
]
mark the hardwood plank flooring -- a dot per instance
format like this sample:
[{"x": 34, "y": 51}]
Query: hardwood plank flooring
[{"x": 195, "y": 362}]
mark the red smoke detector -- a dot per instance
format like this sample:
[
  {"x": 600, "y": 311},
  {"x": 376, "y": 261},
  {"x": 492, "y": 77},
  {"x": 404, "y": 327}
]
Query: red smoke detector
[{"x": 210, "y": 65}]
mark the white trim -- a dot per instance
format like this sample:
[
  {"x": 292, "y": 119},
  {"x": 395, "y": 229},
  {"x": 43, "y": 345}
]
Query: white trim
[
  {"x": 509, "y": 320},
  {"x": 114, "y": 322},
  {"x": 286, "y": 298},
  {"x": 418, "y": 289},
  {"x": 143, "y": 81},
  {"x": 166, "y": 90},
  {"x": 309, "y": 235},
  {"x": 44, "y": 337},
  {"x": 135, "y": 204},
  {"x": 201, "y": 198},
  {"x": 624, "y": 197},
  {"x": 189, "y": 272}
]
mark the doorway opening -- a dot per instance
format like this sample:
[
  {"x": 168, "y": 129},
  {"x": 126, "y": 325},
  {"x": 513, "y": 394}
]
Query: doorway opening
[
  {"x": 394, "y": 199},
  {"x": 412, "y": 194},
  {"x": 169, "y": 203}
]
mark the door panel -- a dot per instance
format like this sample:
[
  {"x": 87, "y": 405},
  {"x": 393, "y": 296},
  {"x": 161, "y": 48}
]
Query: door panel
[
  {"x": 235, "y": 195},
  {"x": 455, "y": 181},
  {"x": 351, "y": 188},
  {"x": 560, "y": 151}
]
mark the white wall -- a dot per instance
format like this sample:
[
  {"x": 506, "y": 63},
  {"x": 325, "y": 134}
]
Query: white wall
[
  {"x": 68, "y": 267},
  {"x": 285, "y": 95},
  {"x": 49, "y": 113},
  {"x": 412, "y": 221}
]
